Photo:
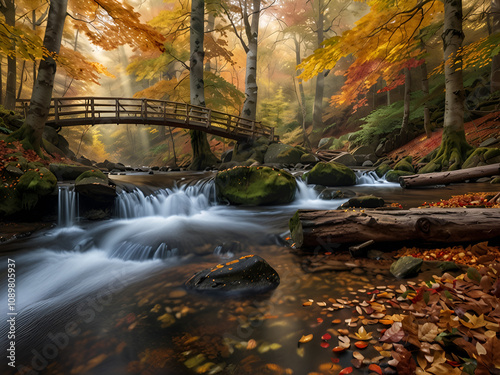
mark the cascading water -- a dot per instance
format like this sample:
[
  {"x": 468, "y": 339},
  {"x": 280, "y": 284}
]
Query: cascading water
[
  {"x": 67, "y": 214},
  {"x": 370, "y": 178}
]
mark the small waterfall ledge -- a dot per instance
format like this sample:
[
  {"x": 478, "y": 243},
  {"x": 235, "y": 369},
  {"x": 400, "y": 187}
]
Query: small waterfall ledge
[{"x": 68, "y": 206}]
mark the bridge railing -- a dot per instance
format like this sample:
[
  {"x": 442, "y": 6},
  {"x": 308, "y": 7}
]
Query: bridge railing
[{"x": 72, "y": 111}]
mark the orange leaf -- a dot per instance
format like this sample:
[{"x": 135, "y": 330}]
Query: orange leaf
[
  {"x": 360, "y": 344},
  {"x": 347, "y": 370},
  {"x": 375, "y": 368}
]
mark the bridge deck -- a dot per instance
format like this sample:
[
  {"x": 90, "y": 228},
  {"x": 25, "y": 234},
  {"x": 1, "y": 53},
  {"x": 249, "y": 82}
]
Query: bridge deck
[{"x": 105, "y": 110}]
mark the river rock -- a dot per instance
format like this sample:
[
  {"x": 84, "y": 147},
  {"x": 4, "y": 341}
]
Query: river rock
[
  {"x": 405, "y": 165},
  {"x": 65, "y": 172},
  {"x": 346, "y": 159},
  {"x": 393, "y": 176},
  {"x": 94, "y": 184},
  {"x": 382, "y": 169},
  {"x": 366, "y": 201},
  {"x": 482, "y": 156},
  {"x": 406, "y": 267},
  {"x": 249, "y": 274},
  {"x": 255, "y": 186},
  {"x": 279, "y": 153},
  {"x": 331, "y": 174},
  {"x": 35, "y": 184},
  {"x": 307, "y": 158},
  {"x": 488, "y": 142}
]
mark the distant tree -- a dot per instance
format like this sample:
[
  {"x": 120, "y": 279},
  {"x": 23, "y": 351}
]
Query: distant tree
[{"x": 7, "y": 7}]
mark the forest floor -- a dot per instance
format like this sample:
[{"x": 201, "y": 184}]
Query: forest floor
[{"x": 476, "y": 132}]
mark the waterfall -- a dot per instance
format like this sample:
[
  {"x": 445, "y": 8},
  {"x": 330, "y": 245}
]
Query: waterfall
[
  {"x": 369, "y": 178},
  {"x": 67, "y": 213},
  {"x": 184, "y": 201}
]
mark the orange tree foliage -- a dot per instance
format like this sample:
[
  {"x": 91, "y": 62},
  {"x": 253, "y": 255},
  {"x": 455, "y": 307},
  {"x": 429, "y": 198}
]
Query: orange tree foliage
[{"x": 383, "y": 42}]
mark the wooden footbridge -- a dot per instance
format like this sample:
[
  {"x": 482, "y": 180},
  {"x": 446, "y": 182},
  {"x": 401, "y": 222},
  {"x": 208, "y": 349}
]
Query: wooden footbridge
[{"x": 105, "y": 110}]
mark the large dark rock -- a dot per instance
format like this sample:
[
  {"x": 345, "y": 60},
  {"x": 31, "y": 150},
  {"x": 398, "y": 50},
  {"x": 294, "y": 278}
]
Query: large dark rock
[
  {"x": 247, "y": 275},
  {"x": 255, "y": 186},
  {"x": 405, "y": 165},
  {"x": 482, "y": 156},
  {"x": 365, "y": 201},
  {"x": 393, "y": 176},
  {"x": 94, "y": 184},
  {"x": 331, "y": 174},
  {"x": 406, "y": 267},
  {"x": 35, "y": 184},
  {"x": 65, "y": 172},
  {"x": 279, "y": 153}
]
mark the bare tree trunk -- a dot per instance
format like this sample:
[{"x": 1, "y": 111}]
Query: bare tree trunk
[
  {"x": 495, "y": 61},
  {"x": 302, "y": 99},
  {"x": 425, "y": 90},
  {"x": 9, "y": 11},
  {"x": 173, "y": 146},
  {"x": 202, "y": 155},
  {"x": 21, "y": 80},
  {"x": 454, "y": 146},
  {"x": 320, "y": 79},
  {"x": 1, "y": 81},
  {"x": 34, "y": 23},
  {"x": 407, "y": 97},
  {"x": 210, "y": 29},
  {"x": 31, "y": 132},
  {"x": 252, "y": 31}
]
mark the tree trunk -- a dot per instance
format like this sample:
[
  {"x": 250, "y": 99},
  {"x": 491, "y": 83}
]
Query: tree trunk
[
  {"x": 406, "y": 115},
  {"x": 31, "y": 132},
  {"x": 302, "y": 98},
  {"x": 210, "y": 29},
  {"x": 34, "y": 24},
  {"x": 9, "y": 11},
  {"x": 454, "y": 147},
  {"x": 311, "y": 228},
  {"x": 495, "y": 61},
  {"x": 249, "y": 110},
  {"x": 20, "y": 90},
  {"x": 425, "y": 91},
  {"x": 1, "y": 81},
  {"x": 320, "y": 79},
  {"x": 441, "y": 178},
  {"x": 173, "y": 146},
  {"x": 202, "y": 155}
]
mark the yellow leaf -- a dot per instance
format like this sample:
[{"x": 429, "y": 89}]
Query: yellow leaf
[
  {"x": 306, "y": 338},
  {"x": 362, "y": 334}
]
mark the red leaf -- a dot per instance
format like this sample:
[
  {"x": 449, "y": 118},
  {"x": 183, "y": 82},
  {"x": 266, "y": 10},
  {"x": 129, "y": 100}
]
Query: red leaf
[
  {"x": 325, "y": 345},
  {"x": 347, "y": 370},
  {"x": 326, "y": 336}
]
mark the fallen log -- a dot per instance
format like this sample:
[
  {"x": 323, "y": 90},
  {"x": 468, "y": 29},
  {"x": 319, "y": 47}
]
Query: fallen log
[
  {"x": 327, "y": 229},
  {"x": 443, "y": 178}
]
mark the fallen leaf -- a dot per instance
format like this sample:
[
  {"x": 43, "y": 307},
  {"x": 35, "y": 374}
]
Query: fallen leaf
[
  {"x": 375, "y": 368},
  {"x": 326, "y": 336},
  {"x": 347, "y": 370},
  {"x": 360, "y": 344},
  {"x": 362, "y": 334},
  {"x": 306, "y": 338}
]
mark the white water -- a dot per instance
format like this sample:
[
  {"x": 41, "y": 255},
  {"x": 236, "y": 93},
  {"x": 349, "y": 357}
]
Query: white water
[
  {"x": 152, "y": 232},
  {"x": 67, "y": 214},
  {"x": 371, "y": 178}
]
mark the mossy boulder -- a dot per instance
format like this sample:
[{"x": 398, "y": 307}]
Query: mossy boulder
[
  {"x": 308, "y": 158},
  {"x": 255, "y": 186},
  {"x": 279, "y": 153},
  {"x": 366, "y": 201},
  {"x": 94, "y": 184},
  {"x": 382, "y": 169},
  {"x": 331, "y": 174},
  {"x": 249, "y": 274},
  {"x": 346, "y": 159},
  {"x": 35, "y": 184},
  {"x": 405, "y": 165},
  {"x": 482, "y": 156},
  {"x": 393, "y": 176},
  {"x": 65, "y": 172}
]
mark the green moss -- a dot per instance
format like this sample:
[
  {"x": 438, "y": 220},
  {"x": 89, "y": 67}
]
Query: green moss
[
  {"x": 393, "y": 176},
  {"x": 331, "y": 174},
  {"x": 405, "y": 165},
  {"x": 366, "y": 201},
  {"x": 382, "y": 169},
  {"x": 34, "y": 184},
  {"x": 496, "y": 180},
  {"x": 255, "y": 186},
  {"x": 482, "y": 156},
  {"x": 92, "y": 173},
  {"x": 453, "y": 151}
]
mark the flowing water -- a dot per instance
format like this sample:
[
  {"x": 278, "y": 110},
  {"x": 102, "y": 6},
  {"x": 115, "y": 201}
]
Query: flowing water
[{"x": 108, "y": 297}]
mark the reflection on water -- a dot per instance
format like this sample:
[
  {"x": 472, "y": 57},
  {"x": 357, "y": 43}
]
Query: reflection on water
[{"x": 108, "y": 297}]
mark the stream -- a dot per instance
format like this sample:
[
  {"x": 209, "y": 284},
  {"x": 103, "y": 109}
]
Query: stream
[{"x": 108, "y": 298}]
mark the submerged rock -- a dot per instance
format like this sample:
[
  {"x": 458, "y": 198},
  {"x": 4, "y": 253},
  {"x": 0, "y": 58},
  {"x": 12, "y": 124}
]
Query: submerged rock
[
  {"x": 67, "y": 171},
  {"x": 247, "y": 275},
  {"x": 331, "y": 174},
  {"x": 406, "y": 267},
  {"x": 94, "y": 184},
  {"x": 366, "y": 201},
  {"x": 255, "y": 186}
]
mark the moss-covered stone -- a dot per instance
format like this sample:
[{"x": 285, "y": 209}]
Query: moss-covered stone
[
  {"x": 495, "y": 180},
  {"x": 331, "y": 174},
  {"x": 308, "y": 158},
  {"x": 482, "y": 156},
  {"x": 405, "y": 165},
  {"x": 96, "y": 188},
  {"x": 382, "y": 169},
  {"x": 96, "y": 173},
  {"x": 278, "y": 153},
  {"x": 34, "y": 184},
  {"x": 393, "y": 176},
  {"x": 296, "y": 231},
  {"x": 406, "y": 267},
  {"x": 255, "y": 186}
]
